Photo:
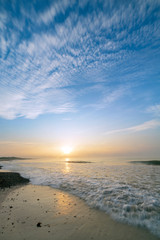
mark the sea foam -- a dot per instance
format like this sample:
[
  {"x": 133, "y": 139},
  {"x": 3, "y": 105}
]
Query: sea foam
[{"x": 129, "y": 193}]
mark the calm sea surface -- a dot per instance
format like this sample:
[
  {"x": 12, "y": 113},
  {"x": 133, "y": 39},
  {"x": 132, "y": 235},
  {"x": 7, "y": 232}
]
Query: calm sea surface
[{"x": 127, "y": 191}]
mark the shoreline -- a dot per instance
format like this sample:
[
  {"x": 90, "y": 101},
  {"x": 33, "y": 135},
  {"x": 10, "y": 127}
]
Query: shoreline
[
  {"x": 8, "y": 182},
  {"x": 41, "y": 212}
]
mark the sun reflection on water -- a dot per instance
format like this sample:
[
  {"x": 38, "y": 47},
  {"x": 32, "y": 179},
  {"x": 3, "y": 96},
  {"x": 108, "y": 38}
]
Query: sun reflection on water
[{"x": 66, "y": 166}]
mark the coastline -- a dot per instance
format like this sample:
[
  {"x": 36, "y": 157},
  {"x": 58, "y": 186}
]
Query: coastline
[
  {"x": 8, "y": 182},
  {"x": 41, "y": 212}
]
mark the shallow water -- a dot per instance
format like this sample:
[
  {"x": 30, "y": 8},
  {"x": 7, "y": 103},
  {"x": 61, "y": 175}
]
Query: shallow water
[{"x": 128, "y": 192}]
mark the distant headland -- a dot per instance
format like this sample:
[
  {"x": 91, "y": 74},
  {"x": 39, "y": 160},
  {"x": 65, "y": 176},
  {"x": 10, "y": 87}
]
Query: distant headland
[
  {"x": 150, "y": 162},
  {"x": 12, "y": 158}
]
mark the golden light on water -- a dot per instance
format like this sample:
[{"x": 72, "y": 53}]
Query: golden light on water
[{"x": 66, "y": 168}]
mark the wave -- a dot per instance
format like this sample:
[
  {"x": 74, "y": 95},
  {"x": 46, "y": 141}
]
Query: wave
[{"x": 128, "y": 203}]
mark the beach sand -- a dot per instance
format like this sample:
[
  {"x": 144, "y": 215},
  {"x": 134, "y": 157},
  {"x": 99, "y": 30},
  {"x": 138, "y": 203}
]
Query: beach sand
[{"x": 40, "y": 212}]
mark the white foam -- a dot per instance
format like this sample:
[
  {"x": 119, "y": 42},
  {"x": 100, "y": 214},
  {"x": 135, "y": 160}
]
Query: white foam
[{"x": 126, "y": 193}]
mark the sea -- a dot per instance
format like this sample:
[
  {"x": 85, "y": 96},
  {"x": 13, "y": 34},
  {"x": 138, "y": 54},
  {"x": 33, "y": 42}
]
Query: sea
[{"x": 129, "y": 191}]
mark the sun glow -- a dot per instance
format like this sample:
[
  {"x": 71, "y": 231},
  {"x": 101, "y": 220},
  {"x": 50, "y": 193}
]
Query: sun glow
[{"x": 67, "y": 150}]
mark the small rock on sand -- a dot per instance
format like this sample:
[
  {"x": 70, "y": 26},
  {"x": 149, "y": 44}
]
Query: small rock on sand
[{"x": 39, "y": 224}]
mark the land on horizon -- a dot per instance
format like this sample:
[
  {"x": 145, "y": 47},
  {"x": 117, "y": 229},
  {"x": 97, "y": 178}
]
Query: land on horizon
[{"x": 12, "y": 158}]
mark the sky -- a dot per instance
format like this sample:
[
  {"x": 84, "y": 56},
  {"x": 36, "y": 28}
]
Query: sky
[{"x": 80, "y": 74}]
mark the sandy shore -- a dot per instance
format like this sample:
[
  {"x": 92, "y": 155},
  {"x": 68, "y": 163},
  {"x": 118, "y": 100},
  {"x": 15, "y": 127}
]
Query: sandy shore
[{"x": 38, "y": 212}]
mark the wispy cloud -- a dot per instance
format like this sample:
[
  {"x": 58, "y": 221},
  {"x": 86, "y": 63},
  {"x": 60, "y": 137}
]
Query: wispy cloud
[
  {"x": 138, "y": 128},
  {"x": 108, "y": 95},
  {"x": 52, "y": 11},
  {"x": 155, "y": 109},
  {"x": 50, "y": 55}
]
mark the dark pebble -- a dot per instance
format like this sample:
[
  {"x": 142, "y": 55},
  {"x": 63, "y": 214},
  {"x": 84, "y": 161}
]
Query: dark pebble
[{"x": 39, "y": 224}]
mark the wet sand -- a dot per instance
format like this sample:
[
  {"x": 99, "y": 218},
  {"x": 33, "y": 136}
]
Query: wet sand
[{"x": 40, "y": 212}]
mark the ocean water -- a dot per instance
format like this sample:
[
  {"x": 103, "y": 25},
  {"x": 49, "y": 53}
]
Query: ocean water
[{"x": 128, "y": 192}]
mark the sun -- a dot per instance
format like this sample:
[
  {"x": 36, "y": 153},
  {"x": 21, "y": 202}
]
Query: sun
[{"x": 67, "y": 149}]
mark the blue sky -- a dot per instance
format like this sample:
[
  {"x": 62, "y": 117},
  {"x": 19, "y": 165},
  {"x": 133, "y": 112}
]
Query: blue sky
[{"x": 82, "y": 72}]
